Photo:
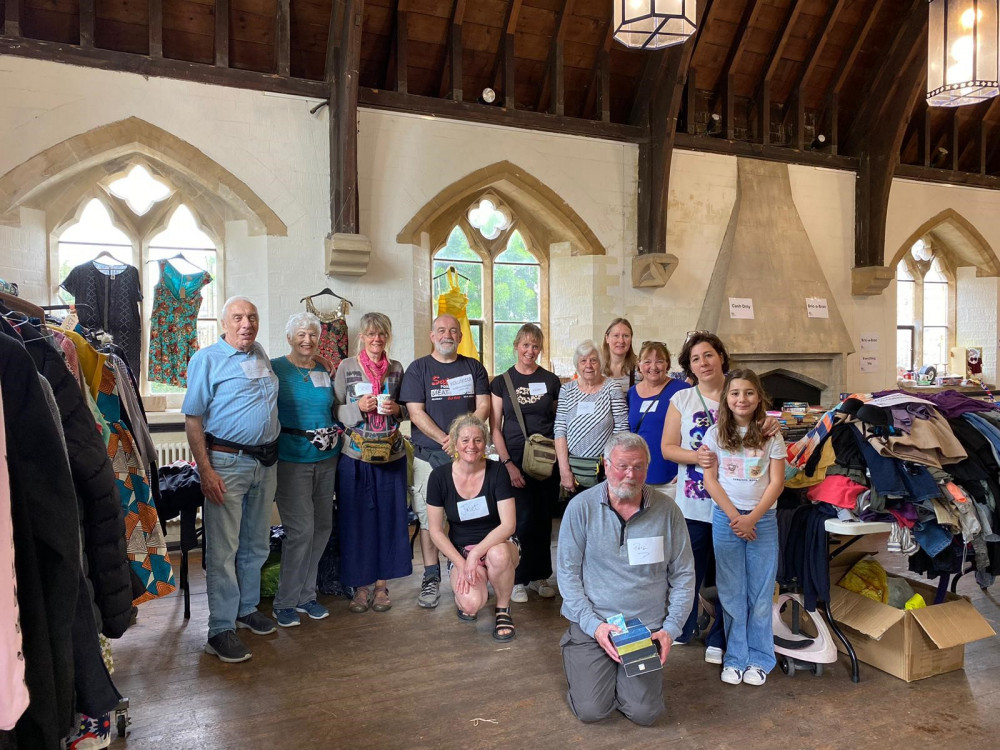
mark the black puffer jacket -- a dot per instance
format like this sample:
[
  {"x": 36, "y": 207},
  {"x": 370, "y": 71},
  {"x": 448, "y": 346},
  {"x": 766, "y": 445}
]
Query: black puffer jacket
[{"x": 97, "y": 496}]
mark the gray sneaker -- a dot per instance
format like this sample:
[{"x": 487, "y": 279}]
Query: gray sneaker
[
  {"x": 228, "y": 647},
  {"x": 429, "y": 593},
  {"x": 257, "y": 623}
]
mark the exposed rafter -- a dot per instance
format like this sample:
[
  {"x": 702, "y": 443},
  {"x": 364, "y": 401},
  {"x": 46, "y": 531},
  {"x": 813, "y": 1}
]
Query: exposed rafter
[
  {"x": 221, "y": 51},
  {"x": 552, "y": 96},
  {"x": 283, "y": 38},
  {"x": 597, "y": 101},
  {"x": 345, "y": 51},
  {"x": 155, "y": 28},
  {"x": 762, "y": 97},
  {"x": 451, "y": 75},
  {"x": 736, "y": 50}
]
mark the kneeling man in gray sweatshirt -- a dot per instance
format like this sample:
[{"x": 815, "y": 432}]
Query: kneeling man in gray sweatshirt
[{"x": 623, "y": 548}]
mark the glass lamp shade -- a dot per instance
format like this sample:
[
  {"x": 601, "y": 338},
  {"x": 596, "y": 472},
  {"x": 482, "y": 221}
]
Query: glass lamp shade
[
  {"x": 962, "y": 62},
  {"x": 653, "y": 24}
]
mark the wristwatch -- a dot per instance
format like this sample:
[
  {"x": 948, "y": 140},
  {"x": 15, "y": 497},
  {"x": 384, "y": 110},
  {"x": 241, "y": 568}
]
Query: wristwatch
[{"x": 505, "y": 462}]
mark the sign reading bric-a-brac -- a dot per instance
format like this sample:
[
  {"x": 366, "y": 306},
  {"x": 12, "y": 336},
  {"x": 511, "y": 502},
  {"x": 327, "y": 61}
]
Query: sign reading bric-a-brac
[
  {"x": 816, "y": 307},
  {"x": 869, "y": 342},
  {"x": 741, "y": 308}
]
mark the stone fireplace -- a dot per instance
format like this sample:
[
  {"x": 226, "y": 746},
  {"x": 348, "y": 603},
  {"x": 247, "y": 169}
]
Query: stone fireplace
[{"x": 767, "y": 257}]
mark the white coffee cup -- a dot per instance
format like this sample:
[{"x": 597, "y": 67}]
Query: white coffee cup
[{"x": 383, "y": 401}]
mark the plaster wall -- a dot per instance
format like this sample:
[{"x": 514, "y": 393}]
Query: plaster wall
[{"x": 280, "y": 151}]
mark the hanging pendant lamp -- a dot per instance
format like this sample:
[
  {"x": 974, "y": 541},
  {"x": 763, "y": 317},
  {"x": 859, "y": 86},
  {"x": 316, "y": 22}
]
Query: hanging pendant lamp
[
  {"x": 962, "y": 52},
  {"x": 653, "y": 24}
]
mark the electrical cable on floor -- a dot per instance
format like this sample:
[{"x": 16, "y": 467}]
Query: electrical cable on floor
[{"x": 475, "y": 722}]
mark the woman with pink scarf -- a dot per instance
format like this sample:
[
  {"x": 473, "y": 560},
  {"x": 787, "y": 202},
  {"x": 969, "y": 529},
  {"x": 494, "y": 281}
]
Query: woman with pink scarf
[{"x": 371, "y": 479}]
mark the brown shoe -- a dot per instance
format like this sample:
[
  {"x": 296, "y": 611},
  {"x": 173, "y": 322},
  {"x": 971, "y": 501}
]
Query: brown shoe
[
  {"x": 381, "y": 601},
  {"x": 359, "y": 603}
]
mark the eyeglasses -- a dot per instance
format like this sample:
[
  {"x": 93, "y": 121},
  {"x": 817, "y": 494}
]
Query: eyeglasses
[
  {"x": 695, "y": 333},
  {"x": 652, "y": 343},
  {"x": 630, "y": 469}
]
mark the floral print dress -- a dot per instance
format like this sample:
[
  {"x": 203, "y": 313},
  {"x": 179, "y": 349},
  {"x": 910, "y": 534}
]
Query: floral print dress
[{"x": 173, "y": 335}]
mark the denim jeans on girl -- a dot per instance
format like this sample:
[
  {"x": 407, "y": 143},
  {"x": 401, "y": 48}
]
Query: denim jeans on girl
[{"x": 744, "y": 575}]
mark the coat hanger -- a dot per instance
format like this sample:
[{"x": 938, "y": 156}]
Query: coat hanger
[
  {"x": 452, "y": 269},
  {"x": 113, "y": 259},
  {"x": 178, "y": 256},
  {"x": 328, "y": 292}
]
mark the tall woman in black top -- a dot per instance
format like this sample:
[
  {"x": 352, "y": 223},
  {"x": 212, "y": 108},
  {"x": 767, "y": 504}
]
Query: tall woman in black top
[
  {"x": 537, "y": 391},
  {"x": 475, "y": 497}
]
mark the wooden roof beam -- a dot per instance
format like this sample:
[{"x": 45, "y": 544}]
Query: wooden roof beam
[
  {"x": 503, "y": 66},
  {"x": 736, "y": 50},
  {"x": 879, "y": 136},
  {"x": 283, "y": 38},
  {"x": 87, "y": 19},
  {"x": 655, "y": 155},
  {"x": 222, "y": 33},
  {"x": 344, "y": 48},
  {"x": 396, "y": 70},
  {"x": 597, "y": 102},
  {"x": 451, "y": 76},
  {"x": 797, "y": 105},
  {"x": 12, "y": 18},
  {"x": 762, "y": 97},
  {"x": 554, "y": 82},
  {"x": 156, "y": 29}
]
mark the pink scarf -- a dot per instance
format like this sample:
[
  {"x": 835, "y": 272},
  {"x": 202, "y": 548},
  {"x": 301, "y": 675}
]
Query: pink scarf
[{"x": 375, "y": 372}]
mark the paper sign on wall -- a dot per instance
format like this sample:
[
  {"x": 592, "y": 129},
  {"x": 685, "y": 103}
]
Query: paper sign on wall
[
  {"x": 816, "y": 307},
  {"x": 869, "y": 342},
  {"x": 741, "y": 308},
  {"x": 869, "y": 363}
]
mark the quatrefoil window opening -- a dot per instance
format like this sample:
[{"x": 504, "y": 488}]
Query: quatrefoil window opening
[{"x": 489, "y": 218}]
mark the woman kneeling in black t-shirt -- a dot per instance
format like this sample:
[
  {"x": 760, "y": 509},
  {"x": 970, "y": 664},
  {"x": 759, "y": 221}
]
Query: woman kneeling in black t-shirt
[{"x": 475, "y": 497}]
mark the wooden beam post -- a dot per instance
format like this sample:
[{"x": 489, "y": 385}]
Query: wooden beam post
[
  {"x": 595, "y": 95},
  {"x": 503, "y": 64},
  {"x": 402, "y": 34},
  {"x": 763, "y": 96},
  {"x": 12, "y": 18},
  {"x": 664, "y": 103},
  {"x": 736, "y": 50},
  {"x": 283, "y": 38},
  {"x": 451, "y": 75},
  {"x": 346, "y": 54},
  {"x": 926, "y": 135},
  {"x": 87, "y": 15},
  {"x": 956, "y": 128},
  {"x": 156, "y": 28},
  {"x": 222, "y": 33},
  {"x": 880, "y": 135},
  {"x": 553, "y": 84}
]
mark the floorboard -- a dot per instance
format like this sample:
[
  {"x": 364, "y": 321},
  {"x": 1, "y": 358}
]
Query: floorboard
[{"x": 416, "y": 678}]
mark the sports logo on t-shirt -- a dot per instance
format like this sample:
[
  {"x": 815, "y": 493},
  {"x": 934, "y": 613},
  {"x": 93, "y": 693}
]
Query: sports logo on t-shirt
[{"x": 451, "y": 389}]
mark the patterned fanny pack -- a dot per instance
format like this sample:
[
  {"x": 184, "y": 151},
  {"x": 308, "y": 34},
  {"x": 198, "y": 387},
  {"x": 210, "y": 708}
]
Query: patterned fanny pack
[
  {"x": 373, "y": 450},
  {"x": 322, "y": 438}
]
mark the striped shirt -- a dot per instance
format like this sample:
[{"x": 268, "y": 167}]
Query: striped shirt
[
  {"x": 235, "y": 393},
  {"x": 588, "y": 420}
]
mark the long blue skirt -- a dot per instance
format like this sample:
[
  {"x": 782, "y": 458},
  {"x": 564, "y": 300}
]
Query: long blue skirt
[{"x": 371, "y": 500}]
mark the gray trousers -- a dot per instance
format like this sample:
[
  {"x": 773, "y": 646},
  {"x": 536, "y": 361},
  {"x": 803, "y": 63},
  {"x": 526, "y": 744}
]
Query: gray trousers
[
  {"x": 598, "y": 685},
  {"x": 305, "y": 503}
]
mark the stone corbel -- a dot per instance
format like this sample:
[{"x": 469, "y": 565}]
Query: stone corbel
[
  {"x": 869, "y": 281},
  {"x": 347, "y": 254},
  {"x": 652, "y": 270}
]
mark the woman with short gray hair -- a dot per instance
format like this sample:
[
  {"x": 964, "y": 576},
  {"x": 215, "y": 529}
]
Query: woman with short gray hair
[
  {"x": 590, "y": 410},
  {"x": 308, "y": 452}
]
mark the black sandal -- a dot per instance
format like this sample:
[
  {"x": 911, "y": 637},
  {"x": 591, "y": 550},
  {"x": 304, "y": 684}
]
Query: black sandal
[
  {"x": 465, "y": 617},
  {"x": 503, "y": 622}
]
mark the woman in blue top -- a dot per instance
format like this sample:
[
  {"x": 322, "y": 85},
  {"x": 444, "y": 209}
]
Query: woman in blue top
[
  {"x": 647, "y": 407},
  {"x": 308, "y": 450}
]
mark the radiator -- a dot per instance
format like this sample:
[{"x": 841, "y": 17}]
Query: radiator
[{"x": 167, "y": 453}]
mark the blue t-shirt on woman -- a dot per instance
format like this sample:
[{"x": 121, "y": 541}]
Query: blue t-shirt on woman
[
  {"x": 645, "y": 417},
  {"x": 305, "y": 402}
]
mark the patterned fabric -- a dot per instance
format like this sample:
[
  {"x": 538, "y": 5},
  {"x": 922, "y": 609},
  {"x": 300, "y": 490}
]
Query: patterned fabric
[
  {"x": 173, "y": 328},
  {"x": 146, "y": 547},
  {"x": 333, "y": 337},
  {"x": 8, "y": 287},
  {"x": 692, "y": 497},
  {"x": 108, "y": 297}
]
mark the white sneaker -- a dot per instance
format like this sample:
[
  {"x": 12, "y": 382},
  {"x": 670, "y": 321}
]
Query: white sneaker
[
  {"x": 731, "y": 676},
  {"x": 754, "y": 676},
  {"x": 542, "y": 588},
  {"x": 519, "y": 594},
  {"x": 713, "y": 655}
]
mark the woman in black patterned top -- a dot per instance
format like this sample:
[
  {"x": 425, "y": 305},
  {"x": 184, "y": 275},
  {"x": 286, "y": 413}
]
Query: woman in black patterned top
[{"x": 590, "y": 410}]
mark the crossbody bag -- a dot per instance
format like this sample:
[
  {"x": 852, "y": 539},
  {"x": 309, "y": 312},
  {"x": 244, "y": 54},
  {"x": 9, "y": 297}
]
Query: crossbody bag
[{"x": 539, "y": 451}]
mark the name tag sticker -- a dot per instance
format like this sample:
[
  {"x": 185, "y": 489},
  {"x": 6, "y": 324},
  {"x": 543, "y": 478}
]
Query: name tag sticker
[
  {"x": 645, "y": 550},
  {"x": 254, "y": 369},
  {"x": 469, "y": 510},
  {"x": 321, "y": 379},
  {"x": 585, "y": 408},
  {"x": 362, "y": 389},
  {"x": 648, "y": 406},
  {"x": 460, "y": 386},
  {"x": 536, "y": 389}
]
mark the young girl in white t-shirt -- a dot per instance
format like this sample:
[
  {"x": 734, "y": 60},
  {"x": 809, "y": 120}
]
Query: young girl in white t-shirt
[{"x": 745, "y": 485}]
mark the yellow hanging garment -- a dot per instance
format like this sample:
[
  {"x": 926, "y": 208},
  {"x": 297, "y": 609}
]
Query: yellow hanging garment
[{"x": 454, "y": 302}]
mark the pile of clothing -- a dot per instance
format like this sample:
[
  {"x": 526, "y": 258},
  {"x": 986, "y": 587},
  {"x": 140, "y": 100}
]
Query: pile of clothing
[{"x": 929, "y": 465}]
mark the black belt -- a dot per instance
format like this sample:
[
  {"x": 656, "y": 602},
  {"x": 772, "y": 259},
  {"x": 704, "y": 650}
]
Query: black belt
[{"x": 266, "y": 453}]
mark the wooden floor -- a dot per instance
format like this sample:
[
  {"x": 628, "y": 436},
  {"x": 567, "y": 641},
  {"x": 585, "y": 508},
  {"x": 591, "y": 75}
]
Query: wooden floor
[{"x": 415, "y": 678}]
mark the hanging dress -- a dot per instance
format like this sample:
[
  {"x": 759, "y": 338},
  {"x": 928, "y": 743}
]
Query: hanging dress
[
  {"x": 173, "y": 330},
  {"x": 454, "y": 302},
  {"x": 107, "y": 296},
  {"x": 333, "y": 337}
]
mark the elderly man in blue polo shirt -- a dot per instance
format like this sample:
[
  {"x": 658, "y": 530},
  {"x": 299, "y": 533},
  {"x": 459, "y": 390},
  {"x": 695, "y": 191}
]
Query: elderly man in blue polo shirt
[
  {"x": 623, "y": 549},
  {"x": 231, "y": 421}
]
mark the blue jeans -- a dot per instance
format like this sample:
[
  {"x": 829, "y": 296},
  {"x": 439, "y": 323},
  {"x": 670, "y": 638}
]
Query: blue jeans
[
  {"x": 744, "y": 575},
  {"x": 700, "y": 533},
  {"x": 237, "y": 536}
]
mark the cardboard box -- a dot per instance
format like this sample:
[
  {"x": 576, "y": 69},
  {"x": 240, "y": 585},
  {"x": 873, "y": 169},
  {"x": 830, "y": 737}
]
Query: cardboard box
[{"x": 908, "y": 644}]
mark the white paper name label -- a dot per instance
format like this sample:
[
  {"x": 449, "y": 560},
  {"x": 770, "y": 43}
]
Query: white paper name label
[
  {"x": 460, "y": 386},
  {"x": 585, "y": 408},
  {"x": 536, "y": 389},
  {"x": 254, "y": 369},
  {"x": 469, "y": 510},
  {"x": 320, "y": 378},
  {"x": 645, "y": 550}
]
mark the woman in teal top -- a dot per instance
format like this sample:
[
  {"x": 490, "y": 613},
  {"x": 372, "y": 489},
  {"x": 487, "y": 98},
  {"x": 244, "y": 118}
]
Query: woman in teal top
[{"x": 308, "y": 450}]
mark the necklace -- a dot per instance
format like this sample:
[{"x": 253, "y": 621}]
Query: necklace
[{"x": 303, "y": 373}]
